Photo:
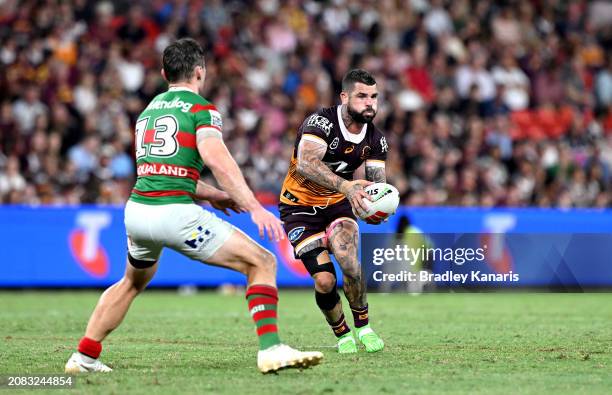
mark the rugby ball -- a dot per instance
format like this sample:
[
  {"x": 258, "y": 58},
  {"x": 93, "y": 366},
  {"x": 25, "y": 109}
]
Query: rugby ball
[{"x": 385, "y": 199}]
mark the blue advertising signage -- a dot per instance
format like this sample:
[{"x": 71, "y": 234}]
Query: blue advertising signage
[{"x": 85, "y": 246}]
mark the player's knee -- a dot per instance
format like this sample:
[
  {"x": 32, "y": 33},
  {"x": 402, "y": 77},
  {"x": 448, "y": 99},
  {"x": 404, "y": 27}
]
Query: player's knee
[
  {"x": 318, "y": 261},
  {"x": 325, "y": 282},
  {"x": 133, "y": 287},
  {"x": 139, "y": 287},
  {"x": 269, "y": 260},
  {"x": 264, "y": 260},
  {"x": 326, "y": 293}
]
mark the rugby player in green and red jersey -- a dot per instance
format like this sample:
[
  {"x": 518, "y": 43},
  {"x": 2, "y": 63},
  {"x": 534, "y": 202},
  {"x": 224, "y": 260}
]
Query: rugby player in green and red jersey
[{"x": 176, "y": 135}]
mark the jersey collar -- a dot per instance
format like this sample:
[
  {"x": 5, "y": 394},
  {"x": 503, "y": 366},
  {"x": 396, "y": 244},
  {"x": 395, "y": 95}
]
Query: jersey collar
[
  {"x": 348, "y": 136},
  {"x": 180, "y": 88}
]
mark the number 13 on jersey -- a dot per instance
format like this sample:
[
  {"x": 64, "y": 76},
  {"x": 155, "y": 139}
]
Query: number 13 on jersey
[{"x": 161, "y": 141}]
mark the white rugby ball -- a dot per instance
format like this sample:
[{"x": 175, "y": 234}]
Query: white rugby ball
[{"x": 385, "y": 200}]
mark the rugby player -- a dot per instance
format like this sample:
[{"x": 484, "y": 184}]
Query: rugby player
[
  {"x": 319, "y": 195},
  {"x": 176, "y": 135}
]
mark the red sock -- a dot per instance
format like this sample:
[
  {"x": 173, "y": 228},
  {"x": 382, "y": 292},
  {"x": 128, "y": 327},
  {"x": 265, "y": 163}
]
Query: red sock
[
  {"x": 263, "y": 300},
  {"x": 90, "y": 347}
]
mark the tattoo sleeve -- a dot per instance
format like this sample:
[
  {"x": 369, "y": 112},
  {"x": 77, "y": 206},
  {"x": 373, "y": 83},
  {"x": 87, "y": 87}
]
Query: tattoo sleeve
[
  {"x": 311, "y": 166},
  {"x": 375, "y": 173}
]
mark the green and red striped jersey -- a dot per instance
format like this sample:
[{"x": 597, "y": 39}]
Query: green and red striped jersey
[{"x": 168, "y": 164}]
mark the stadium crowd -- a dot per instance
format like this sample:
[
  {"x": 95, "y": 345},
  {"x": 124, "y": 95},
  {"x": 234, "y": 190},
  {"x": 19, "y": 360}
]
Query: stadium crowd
[{"x": 484, "y": 103}]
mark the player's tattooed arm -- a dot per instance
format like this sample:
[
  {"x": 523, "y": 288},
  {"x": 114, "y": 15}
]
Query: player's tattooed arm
[
  {"x": 311, "y": 166},
  {"x": 375, "y": 173}
]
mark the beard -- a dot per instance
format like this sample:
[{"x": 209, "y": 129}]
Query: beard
[{"x": 361, "y": 117}]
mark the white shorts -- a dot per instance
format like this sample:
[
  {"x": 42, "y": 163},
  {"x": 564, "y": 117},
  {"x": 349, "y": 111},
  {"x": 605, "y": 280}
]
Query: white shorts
[{"x": 186, "y": 228}]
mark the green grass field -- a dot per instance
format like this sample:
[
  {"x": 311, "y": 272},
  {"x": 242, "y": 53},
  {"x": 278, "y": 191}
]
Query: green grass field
[{"x": 437, "y": 343}]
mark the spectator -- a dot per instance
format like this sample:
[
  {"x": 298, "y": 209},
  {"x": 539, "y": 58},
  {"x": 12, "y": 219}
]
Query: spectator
[
  {"x": 27, "y": 109},
  {"x": 514, "y": 81},
  {"x": 11, "y": 179},
  {"x": 84, "y": 156},
  {"x": 603, "y": 84},
  {"x": 482, "y": 104}
]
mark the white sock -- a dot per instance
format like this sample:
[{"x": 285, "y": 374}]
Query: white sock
[{"x": 87, "y": 359}]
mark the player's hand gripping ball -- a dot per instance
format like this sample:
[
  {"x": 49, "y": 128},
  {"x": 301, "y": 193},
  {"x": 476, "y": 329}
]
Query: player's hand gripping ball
[{"x": 385, "y": 200}]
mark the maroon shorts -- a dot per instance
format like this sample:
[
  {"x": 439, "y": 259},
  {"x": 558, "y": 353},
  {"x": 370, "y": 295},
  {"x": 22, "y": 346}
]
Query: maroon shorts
[{"x": 305, "y": 224}]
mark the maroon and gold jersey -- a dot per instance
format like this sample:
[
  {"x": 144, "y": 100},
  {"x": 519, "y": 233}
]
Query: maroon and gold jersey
[{"x": 345, "y": 153}]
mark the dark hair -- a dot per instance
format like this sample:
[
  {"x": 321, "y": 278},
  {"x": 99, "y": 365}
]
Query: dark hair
[
  {"x": 181, "y": 58},
  {"x": 356, "y": 75}
]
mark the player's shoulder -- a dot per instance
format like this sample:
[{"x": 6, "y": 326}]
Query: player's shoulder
[
  {"x": 199, "y": 102},
  {"x": 182, "y": 100},
  {"x": 377, "y": 138},
  {"x": 322, "y": 115},
  {"x": 375, "y": 131},
  {"x": 202, "y": 104},
  {"x": 321, "y": 120},
  {"x": 326, "y": 112}
]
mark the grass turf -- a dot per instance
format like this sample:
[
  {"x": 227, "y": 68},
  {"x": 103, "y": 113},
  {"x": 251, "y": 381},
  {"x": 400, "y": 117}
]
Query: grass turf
[{"x": 438, "y": 343}]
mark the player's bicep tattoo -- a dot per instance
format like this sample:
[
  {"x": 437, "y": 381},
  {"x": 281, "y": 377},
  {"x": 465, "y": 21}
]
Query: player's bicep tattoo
[
  {"x": 375, "y": 173},
  {"x": 311, "y": 166}
]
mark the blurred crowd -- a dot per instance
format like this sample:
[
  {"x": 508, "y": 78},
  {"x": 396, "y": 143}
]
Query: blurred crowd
[{"x": 484, "y": 103}]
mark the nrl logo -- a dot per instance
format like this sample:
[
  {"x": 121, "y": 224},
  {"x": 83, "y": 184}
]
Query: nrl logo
[{"x": 334, "y": 143}]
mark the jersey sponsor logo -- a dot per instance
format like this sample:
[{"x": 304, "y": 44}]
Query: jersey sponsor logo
[
  {"x": 295, "y": 233},
  {"x": 289, "y": 196},
  {"x": 334, "y": 143},
  {"x": 340, "y": 329},
  {"x": 199, "y": 238},
  {"x": 338, "y": 167},
  {"x": 257, "y": 309},
  {"x": 365, "y": 152},
  {"x": 85, "y": 244},
  {"x": 384, "y": 147},
  {"x": 167, "y": 105},
  {"x": 319, "y": 121},
  {"x": 215, "y": 119},
  {"x": 160, "y": 169}
]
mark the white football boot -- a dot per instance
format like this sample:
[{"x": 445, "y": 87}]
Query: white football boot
[
  {"x": 76, "y": 365},
  {"x": 282, "y": 356}
]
